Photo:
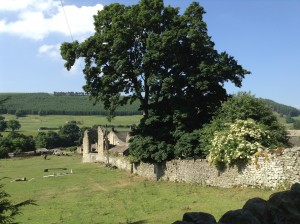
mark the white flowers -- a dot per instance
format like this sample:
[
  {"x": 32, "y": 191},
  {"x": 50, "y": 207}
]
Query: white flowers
[{"x": 240, "y": 140}]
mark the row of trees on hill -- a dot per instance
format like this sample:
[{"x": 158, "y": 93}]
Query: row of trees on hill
[
  {"x": 69, "y": 94},
  {"x": 166, "y": 61}
]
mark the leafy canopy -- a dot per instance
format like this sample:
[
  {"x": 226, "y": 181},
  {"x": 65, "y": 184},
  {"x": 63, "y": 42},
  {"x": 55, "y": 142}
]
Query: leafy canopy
[
  {"x": 166, "y": 61},
  {"x": 13, "y": 125}
]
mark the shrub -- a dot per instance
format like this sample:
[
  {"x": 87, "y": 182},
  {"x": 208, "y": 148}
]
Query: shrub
[
  {"x": 237, "y": 142},
  {"x": 16, "y": 142},
  {"x": 244, "y": 106}
]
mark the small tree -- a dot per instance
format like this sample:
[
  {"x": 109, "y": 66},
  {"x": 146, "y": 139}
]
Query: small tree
[
  {"x": 13, "y": 125},
  {"x": 48, "y": 140},
  {"x": 8, "y": 210},
  {"x": 70, "y": 134}
]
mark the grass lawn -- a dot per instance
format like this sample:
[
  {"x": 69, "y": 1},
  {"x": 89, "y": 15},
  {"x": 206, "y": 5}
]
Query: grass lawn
[
  {"x": 95, "y": 194},
  {"x": 31, "y": 123}
]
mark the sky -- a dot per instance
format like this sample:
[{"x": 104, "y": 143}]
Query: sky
[{"x": 262, "y": 35}]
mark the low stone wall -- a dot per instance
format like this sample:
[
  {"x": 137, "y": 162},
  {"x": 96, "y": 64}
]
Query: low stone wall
[{"x": 275, "y": 171}]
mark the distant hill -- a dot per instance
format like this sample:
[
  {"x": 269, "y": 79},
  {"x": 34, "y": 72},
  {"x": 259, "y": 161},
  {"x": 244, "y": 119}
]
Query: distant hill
[
  {"x": 282, "y": 109},
  {"x": 50, "y": 104},
  {"x": 78, "y": 104}
]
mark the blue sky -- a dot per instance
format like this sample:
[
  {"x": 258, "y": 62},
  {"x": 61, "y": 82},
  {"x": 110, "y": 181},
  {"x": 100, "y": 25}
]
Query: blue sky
[{"x": 262, "y": 35}]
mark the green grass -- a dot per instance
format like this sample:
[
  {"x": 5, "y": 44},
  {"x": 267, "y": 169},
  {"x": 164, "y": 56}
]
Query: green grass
[
  {"x": 31, "y": 123},
  {"x": 95, "y": 194}
]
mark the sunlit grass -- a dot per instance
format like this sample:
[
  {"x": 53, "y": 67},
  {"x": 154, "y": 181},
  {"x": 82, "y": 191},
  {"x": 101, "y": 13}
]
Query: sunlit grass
[
  {"x": 31, "y": 123},
  {"x": 95, "y": 194}
]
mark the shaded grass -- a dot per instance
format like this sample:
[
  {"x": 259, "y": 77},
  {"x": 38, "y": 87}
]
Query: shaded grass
[{"x": 95, "y": 194}]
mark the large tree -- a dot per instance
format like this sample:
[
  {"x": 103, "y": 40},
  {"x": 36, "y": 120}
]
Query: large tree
[{"x": 165, "y": 60}]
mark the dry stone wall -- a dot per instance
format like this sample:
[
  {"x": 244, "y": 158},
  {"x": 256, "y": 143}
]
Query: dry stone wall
[{"x": 273, "y": 172}]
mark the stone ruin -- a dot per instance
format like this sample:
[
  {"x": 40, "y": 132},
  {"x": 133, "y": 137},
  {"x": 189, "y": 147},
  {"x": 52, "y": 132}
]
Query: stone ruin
[
  {"x": 281, "y": 208},
  {"x": 113, "y": 143}
]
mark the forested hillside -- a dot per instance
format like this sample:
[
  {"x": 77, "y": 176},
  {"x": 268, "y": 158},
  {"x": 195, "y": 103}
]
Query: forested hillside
[
  {"x": 50, "y": 104},
  {"x": 78, "y": 104},
  {"x": 283, "y": 109}
]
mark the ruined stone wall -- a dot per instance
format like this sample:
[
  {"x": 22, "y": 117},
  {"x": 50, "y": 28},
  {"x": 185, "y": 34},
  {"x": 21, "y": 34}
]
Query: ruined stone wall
[{"x": 274, "y": 172}]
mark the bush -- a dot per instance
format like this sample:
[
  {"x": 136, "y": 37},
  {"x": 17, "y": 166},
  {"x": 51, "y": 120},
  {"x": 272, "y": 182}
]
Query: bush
[
  {"x": 16, "y": 142},
  {"x": 237, "y": 142},
  {"x": 244, "y": 106},
  {"x": 187, "y": 145},
  {"x": 147, "y": 149},
  {"x": 48, "y": 140}
]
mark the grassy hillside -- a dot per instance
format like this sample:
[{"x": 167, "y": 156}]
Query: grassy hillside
[
  {"x": 49, "y": 104},
  {"x": 95, "y": 194}
]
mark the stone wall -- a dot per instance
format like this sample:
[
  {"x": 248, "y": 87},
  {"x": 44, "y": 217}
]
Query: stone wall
[{"x": 272, "y": 172}]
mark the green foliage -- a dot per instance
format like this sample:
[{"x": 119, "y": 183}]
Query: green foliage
[
  {"x": 244, "y": 106},
  {"x": 70, "y": 135},
  {"x": 48, "y": 140},
  {"x": 188, "y": 145},
  {"x": 162, "y": 59},
  {"x": 8, "y": 210},
  {"x": 16, "y": 142},
  {"x": 3, "y": 125},
  {"x": 44, "y": 104},
  {"x": 13, "y": 125},
  {"x": 296, "y": 125},
  {"x": 237, "y": 142},
  {"x": 150, "y": 150}
]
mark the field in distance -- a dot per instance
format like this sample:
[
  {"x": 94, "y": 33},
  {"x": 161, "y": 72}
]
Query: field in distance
[
  {"x": 96, "y": 194},
  {"x": 30, "y": 124}
]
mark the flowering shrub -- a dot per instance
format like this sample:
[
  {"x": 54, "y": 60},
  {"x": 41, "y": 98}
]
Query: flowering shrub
[{"x": 237, "y": 142}]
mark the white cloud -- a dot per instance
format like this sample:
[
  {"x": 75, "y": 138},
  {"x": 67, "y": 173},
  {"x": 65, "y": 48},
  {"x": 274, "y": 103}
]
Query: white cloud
[
  {"x": 15, "y": 5},
  {"x": 36, "y": 19},
  {"x": 51, "y": 51}
]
